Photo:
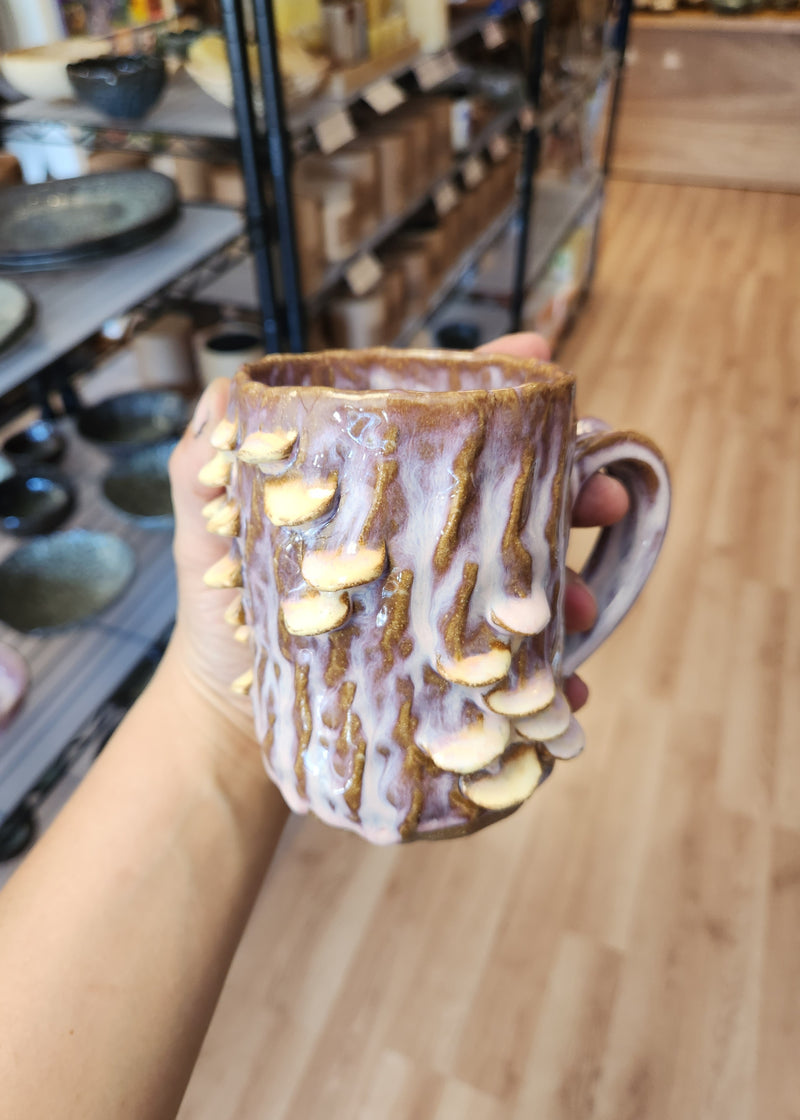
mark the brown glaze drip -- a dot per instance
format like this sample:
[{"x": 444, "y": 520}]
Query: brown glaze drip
[
  {"x": 455, "y": 621},
  {"x": 462, "y": 805},
  {"x": 435, "y": 682},
  {"x": 517, "y": 559},
  {"x": 339, "y": 656},
  {"x": 464, "y": 493},
  {"x": 385, "y": 476},
  {"x": 396, "y": 596},
  {"x": 415, "y": 764},
  {"x": 345, "y": 696},
  {"x": 303, "y": 723},
  {"x": 352, "y": 743},
  {"x": 456, "y": 632}
]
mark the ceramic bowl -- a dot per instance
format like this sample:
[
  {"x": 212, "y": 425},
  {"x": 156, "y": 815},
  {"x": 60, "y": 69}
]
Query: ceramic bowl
[
  {"x": 17, "y": 833},
  {"x": 60, "y": 581},
  {"x": 137, "y": 419},
  {"x": 125, "y": 87},
  {"x": 138, "y": 486},
  {"x": 42, "y": 442},
  {"x": 458, "y": 336},
  {"x": 32, "y": 503},
  {"x": 41, "y": 72}
]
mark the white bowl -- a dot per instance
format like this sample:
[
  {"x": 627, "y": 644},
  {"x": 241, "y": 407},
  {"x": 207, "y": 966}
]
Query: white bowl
[{"x": 41, "y": 72}]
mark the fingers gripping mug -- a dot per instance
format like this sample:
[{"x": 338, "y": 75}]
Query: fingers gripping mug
[{"x": 399, "y": 525}]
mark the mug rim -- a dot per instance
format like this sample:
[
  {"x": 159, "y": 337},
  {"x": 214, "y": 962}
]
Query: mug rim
[{"x": 548, "y": 373}]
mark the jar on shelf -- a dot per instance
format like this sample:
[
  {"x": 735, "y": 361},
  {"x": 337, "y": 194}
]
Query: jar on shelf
[
  {"x": 338, "y": 208},
  {"x": 345, "y": 30}
]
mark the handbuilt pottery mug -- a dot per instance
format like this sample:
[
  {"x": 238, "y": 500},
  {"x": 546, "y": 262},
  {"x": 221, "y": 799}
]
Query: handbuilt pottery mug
[{"x": 399, "y": 525}]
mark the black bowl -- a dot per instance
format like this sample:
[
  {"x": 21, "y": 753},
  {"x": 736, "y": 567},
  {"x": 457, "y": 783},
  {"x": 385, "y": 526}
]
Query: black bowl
[
  {"x": 32, "y": 502},
  {"x": 175, "y": 44},
  {"x": 60, "y": 581},
  {"x": 458, "y": 336},
  {"x": 40, "y": 443},
  {"x": 137, "y": 419},
  {"x": 138, "y": 486},
  {"x": 125, "y": 87}
]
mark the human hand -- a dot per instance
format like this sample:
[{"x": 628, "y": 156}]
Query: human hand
[
  {"x": 205, "y": 657},
  {"x": 602, "y": 501}
]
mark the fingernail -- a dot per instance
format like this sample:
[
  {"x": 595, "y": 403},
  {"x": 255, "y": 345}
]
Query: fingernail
[{"x": 202, "y": 413}]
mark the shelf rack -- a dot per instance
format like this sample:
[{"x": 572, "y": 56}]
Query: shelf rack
[
  {"x": 73, "y": 311},
  {"x": 560, "y": 207},
  {"x": 188, "y": 122},
  {"x": 74, "y": 671},
  {"x": 454, "y": 277},
  {"x": 335, "y": 274},
  {"x": 237, "y": 288}
]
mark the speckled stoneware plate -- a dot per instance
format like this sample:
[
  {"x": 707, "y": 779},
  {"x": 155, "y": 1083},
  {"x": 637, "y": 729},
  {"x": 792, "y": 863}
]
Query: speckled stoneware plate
[
  {"x": 17, "y": 313},
  {"x": 63, "y": 580},
  {"x": 53, "y": 225}
]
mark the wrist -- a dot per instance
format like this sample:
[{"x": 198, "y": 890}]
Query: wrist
[{"x": 213, "y": 734}]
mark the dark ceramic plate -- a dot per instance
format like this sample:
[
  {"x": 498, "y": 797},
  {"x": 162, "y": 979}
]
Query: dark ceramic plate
[
  {"x": 135, "y": 419},
  {"x": 52, "y": 225},
  {"x": 32, "y": 502},
  {"x": 60, "y": 581},
  {"x": 138, "y": 486},
  {"x": 17, "y": 313},
  {"x": 40, "y": 443}
]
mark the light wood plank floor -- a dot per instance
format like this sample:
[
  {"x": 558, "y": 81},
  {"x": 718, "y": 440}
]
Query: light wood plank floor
[{"x": 627, "y": 946}]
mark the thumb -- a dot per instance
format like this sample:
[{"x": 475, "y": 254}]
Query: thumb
[{"x": 195, "y": 548}]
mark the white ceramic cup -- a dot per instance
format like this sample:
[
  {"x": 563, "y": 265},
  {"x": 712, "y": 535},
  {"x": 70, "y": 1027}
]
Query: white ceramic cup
[{"x": 221, "y": 350}]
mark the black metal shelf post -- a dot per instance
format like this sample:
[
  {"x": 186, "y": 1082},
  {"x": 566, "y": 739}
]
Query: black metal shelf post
[
  {"x": 530, "y": 165},
  {"x": 280, "y": 165},
  {"x": 619, "y": 44},
  {"x": 257, "y": 214}
]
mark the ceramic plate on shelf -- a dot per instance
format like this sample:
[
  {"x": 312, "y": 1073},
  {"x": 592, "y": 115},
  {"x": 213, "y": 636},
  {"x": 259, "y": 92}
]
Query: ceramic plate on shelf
[
  {"x": 17, "y": 313},
  {"x": 54, "y": 225}
]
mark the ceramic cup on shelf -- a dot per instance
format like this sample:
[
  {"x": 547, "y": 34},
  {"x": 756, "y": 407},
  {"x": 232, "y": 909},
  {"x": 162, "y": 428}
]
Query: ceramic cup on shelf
[
  {"x": 221, "y": 350},
  {"x": 399, "y": 524},
  {"x": 164, "y": 353}
]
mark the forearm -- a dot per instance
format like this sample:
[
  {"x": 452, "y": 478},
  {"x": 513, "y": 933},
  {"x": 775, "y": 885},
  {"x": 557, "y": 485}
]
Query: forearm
[{"x": 117, "y": 932}]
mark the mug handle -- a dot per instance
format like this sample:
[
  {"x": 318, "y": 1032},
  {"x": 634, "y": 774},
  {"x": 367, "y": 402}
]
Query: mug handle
[{"x": 624, "y": 554}]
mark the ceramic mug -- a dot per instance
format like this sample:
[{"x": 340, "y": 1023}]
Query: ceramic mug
[
  {"x": 221, "y": 350},
  {"x": 399, "y": 525}
]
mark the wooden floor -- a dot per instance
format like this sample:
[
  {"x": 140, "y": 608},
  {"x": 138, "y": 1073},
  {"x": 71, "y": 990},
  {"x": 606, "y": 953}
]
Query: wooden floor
[
  {"x": 712, "y": 100},
  {"x": 627, "y": 947}
]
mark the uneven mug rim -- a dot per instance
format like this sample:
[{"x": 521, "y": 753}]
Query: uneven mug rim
[{"x": 548, "y": 374}]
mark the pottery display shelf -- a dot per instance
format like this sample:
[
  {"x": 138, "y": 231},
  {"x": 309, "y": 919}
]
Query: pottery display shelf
[
  {"x": 73, "y": 304},
  {"x": 75, "y": 670},
  {"x": 186, "y": 113},
  {"x": 559, "y": 207}
]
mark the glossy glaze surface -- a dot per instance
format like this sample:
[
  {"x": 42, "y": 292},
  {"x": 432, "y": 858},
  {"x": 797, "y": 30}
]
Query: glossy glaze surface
[{"x": 400, "y": 525}]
